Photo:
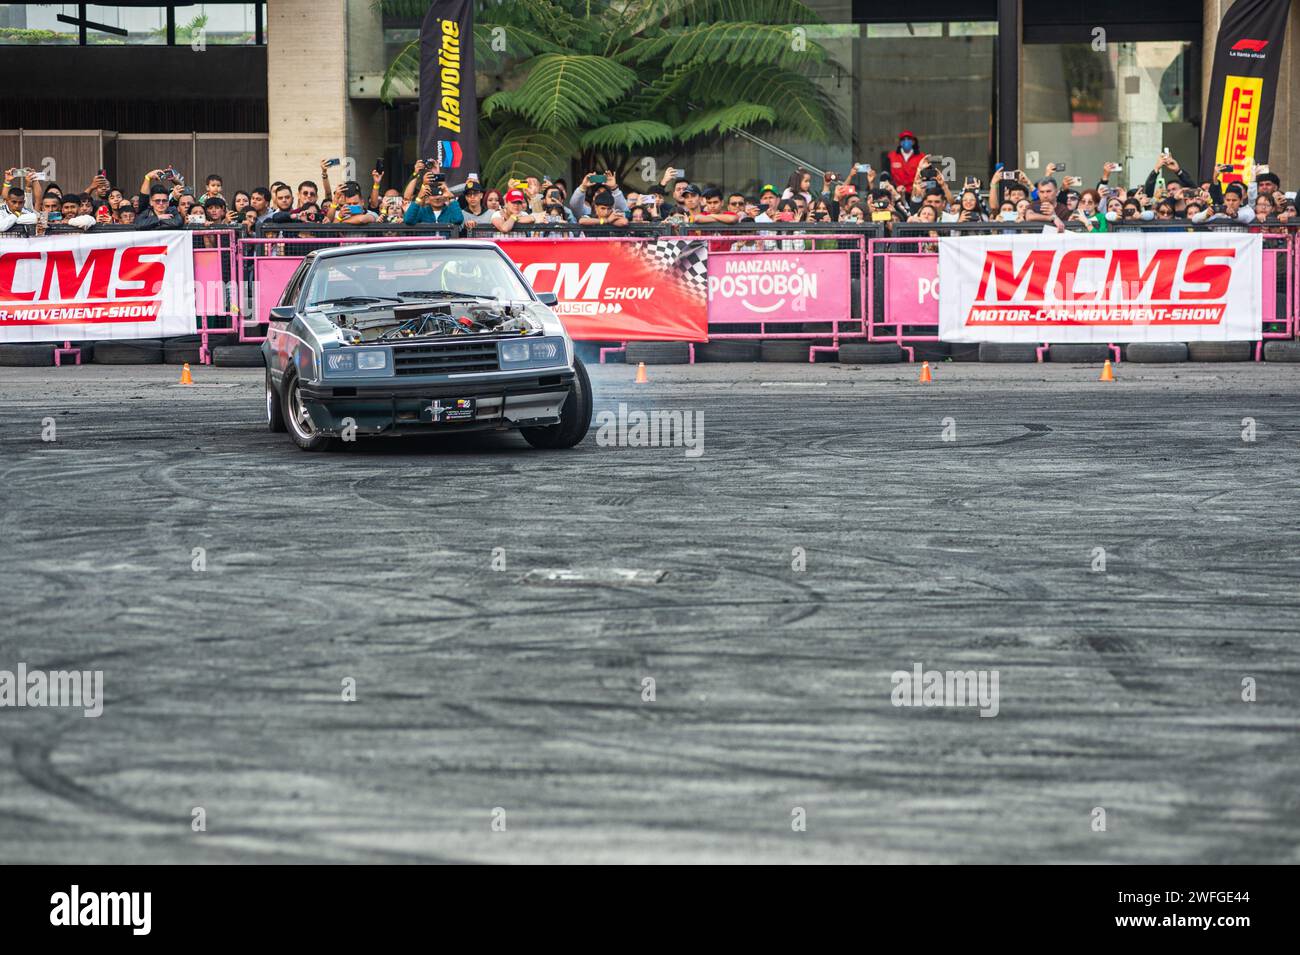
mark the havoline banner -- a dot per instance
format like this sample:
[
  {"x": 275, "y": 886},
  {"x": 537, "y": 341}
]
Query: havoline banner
[
  {"x": 1243, "y": 88},
  {"x": 448, "y": 108}
]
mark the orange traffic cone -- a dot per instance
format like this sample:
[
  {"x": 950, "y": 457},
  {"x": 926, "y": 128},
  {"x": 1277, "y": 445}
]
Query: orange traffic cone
[
  {"x": 186, "y": 377},
  {"x": 1107, "y": 372},
  {"x": 641, "y": 378},
  {"x": 925, "y": 372}
]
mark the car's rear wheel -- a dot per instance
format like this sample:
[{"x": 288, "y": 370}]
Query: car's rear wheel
[
  {"x": 274, "y": 412},
  {"x": 575, "y": 416},
  {"x": 301, "y": 428}
]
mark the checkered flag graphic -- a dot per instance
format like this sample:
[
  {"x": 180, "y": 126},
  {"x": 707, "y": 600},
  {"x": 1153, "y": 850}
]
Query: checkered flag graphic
[{"x": 689, "y": 258}]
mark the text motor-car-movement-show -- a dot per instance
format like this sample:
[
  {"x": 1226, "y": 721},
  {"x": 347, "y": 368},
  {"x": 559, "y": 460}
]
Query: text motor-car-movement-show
[{"x": 755, "y": 432}]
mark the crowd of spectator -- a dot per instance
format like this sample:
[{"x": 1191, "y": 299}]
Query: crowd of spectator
[{"x": 911, "y": 188}]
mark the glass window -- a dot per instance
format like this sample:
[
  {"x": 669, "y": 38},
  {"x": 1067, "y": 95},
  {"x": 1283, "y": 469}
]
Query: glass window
[
  {"x": 32, "y": 23},
  {"x": 1124, "y": 104},
  {"x": 143, "y": 25},
  {"x": 195, "y": 24}
]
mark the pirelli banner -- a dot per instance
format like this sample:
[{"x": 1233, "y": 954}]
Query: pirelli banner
[
  {"x": 110, "y": 286},
  {"x": 1243, "y": 88},
  {"x": 1112, "y": 287},
  {"x": 448, "y": 101}
]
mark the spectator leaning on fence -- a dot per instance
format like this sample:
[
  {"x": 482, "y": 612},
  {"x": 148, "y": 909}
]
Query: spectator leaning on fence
[
  {"x": 603, "y": 211},
  {"x": 512, "y": 211},
  {"x": 158, "y": 213}
]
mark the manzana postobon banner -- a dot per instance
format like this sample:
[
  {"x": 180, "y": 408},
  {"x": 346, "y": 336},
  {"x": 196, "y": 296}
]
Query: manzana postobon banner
[
  {"x": 1243, "y": 88},
  {"x": 448, "y": 108}
]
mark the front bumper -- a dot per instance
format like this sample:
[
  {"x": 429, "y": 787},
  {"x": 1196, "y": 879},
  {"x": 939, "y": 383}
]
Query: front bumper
[{"x": 502, "y": 401}]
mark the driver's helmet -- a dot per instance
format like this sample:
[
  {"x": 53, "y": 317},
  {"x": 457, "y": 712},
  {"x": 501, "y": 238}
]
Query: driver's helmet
[{"x": 460, "y": 275}]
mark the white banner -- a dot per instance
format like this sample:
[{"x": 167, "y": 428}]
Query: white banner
[
  {"x": 1101, "y": 287},
  {"x": 114, "y": 285}
]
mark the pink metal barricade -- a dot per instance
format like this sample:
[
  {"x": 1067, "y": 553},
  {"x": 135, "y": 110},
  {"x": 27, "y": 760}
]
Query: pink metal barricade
[
  {"x": 909, "y": 303},
  {"x": 216, "y": 286}
]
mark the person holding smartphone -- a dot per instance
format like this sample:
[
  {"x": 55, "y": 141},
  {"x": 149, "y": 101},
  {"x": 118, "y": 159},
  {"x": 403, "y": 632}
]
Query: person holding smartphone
[
  {"x": 435, "y": 205},
  {"x": 578, "y": 201}
]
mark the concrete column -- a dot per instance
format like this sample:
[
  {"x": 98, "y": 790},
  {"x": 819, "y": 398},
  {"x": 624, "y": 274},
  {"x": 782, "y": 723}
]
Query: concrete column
[{"x": 307, "y": 89}]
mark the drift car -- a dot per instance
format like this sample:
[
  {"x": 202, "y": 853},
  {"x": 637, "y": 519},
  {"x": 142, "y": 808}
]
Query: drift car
[{"x": 420, "y": 337}]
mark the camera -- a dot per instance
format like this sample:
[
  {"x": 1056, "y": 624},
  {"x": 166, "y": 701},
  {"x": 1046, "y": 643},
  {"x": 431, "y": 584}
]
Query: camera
[{"x": 929, "y": 172}]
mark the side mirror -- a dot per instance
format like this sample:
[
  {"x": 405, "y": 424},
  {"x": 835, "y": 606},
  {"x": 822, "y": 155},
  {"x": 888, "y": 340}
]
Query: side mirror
[
  {"x": 546, "y": 298},
  {"x": 283, "y": 313}
]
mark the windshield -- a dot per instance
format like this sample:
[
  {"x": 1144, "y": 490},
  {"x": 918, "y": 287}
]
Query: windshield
[{"x": 384, "y": 276}]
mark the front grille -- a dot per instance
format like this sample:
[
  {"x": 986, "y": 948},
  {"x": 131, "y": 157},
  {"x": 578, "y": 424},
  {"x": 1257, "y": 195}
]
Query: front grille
[{"x": 448, "y": 358}]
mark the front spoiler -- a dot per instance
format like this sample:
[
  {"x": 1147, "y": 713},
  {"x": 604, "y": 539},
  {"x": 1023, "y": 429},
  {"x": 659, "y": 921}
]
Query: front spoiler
[{"x": 390, "y": 407}]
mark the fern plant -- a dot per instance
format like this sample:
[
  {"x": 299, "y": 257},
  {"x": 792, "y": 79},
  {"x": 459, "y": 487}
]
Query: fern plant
[{"x": 601, "y": 84}]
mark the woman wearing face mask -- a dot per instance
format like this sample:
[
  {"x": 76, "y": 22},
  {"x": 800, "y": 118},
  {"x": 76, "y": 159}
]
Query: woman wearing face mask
[{"x": 905, "y": 161}]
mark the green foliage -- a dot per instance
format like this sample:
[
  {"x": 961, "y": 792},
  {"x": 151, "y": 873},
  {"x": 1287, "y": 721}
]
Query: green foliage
[{"x": 603, "y": 82}]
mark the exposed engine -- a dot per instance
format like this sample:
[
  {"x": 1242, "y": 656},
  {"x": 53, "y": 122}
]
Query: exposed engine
[{"x": 437, "y": 320}]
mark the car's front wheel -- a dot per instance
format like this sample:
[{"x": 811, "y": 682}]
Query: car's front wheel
[
  {"x": 274, "y": 413},
  {"x": 301, "y": 428},
  {"x": 575, "y": 416}
]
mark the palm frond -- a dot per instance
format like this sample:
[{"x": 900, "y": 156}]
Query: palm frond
[
  {"x": 561, "y": 90},
  {"x": 741, "y": 44},
  {"x": 529, "y": 152},
  {"x": 724, "y": 119},
  {"x": 403, "y": 72},
  {"x": 801, "y": 105},
  {"x": 627, "y": 136}
]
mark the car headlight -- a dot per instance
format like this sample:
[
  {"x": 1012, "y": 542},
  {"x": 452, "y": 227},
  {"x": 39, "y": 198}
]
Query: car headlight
[
  {"x": 543, "y": 351},
  {"x": 364, "y": 362}
]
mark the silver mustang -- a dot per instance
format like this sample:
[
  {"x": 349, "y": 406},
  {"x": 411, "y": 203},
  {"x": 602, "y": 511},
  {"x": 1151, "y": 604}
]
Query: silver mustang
[{"x": 420, "y": 337}]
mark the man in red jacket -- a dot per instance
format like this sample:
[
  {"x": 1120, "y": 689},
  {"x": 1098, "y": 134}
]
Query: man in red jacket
[{"x": 904, "y": 161}]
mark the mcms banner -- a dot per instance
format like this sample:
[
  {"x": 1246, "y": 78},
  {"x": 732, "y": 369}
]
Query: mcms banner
[
  {"x": 1243, "y": 87},
  {"x": 1113, "y": 287},
  {"x": 89, "y": 287},
  {"x": 635, "y": 290},
  {"x": 448, "y": 101}
]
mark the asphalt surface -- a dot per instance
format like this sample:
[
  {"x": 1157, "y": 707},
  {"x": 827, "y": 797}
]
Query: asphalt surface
[{"x": 521, "y": 689}]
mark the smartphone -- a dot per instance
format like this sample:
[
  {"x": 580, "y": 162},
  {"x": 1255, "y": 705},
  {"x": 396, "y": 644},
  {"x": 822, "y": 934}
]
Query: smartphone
[
  {"x": 598, "y": 180},
  {"x": 1224, "y": 167},
  {"x": 1060, "y": 167},
  {"x": 334, "y": 162},
  {"x": 1008, "y": 174},
  {"x": 1117, "y": 168},
  {"x": 648, "y": 200},
  {"x": 38, "y": 176},
  {"x": 881, "y": 216},
  {"x": 863, "y": 167},
  {"x": 971, "y": 181},
  {"x": 356, "y": 210},
  {"x": 1262, "y": 170},
  {"x": 379, "y": 164},
  {"x": 679, "y": 174}
]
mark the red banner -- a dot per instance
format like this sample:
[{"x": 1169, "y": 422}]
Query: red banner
[{"x": 633, "y": 290}]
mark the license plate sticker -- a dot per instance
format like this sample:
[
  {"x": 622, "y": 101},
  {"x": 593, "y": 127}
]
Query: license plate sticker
[{"x": 452, "y": 409}]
